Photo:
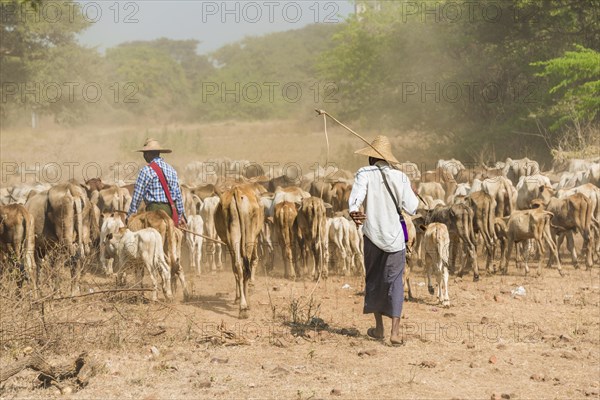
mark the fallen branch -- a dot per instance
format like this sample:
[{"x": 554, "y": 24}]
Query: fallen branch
[{"x": 81, "y": 368}]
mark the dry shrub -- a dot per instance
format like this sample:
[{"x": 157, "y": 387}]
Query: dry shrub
[{"x": 51, "y": 320}]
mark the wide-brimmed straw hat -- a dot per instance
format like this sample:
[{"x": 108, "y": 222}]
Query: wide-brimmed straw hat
[
  {"x": 153, "y": 145},
  {"x": 381, "y": 148}
]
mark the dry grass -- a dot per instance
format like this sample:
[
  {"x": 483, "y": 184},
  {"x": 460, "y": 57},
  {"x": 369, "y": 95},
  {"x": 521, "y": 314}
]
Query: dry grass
[{"x": 101, "y": 148}]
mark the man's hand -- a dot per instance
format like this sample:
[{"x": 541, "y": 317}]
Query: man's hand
[
  {"x": 358, "y": 217},
  {"x": 182, "y": 223}
]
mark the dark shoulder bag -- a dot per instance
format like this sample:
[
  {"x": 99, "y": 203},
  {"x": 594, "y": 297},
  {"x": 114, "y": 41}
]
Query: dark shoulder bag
[{"x": 398, "y": 207}]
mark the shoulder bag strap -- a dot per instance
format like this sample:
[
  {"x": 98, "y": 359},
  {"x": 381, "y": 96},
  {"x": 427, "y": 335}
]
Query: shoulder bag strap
[
  {"x": 165, "y": 186},
  {"x": 398, "y": 207}
]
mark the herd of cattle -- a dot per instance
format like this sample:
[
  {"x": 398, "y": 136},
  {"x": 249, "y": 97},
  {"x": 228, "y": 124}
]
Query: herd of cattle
[{"x": 253, "y": 213}]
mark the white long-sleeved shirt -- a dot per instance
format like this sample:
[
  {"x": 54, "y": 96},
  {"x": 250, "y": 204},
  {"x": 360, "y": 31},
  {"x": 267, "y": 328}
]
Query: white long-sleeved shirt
[{"x": 382, "y": 225}]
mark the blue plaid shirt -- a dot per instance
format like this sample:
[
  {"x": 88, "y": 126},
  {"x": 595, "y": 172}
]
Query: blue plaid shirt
[{"x": 148, "y": 188}]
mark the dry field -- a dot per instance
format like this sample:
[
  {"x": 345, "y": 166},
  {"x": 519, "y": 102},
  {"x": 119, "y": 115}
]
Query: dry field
[
  {"x": 543, "y": 345},
  {"x": 94, "y": 151}
]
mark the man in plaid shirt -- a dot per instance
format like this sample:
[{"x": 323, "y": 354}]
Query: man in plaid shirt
[{"x": 148, "y": 186}]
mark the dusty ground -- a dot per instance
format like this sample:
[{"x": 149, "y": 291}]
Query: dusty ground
[{"x": 545, "y": 344}]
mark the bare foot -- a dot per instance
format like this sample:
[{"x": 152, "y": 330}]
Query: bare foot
[{"x": 396, "y": 340}]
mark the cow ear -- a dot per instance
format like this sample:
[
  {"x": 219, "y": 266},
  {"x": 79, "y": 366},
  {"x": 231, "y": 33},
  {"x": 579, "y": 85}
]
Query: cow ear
[
  {"x": 423, "y": 227},
  {"x": 109, "y": 236},
  {"x": 535, "y": 205},
  {"x": 327, "y": 205}
]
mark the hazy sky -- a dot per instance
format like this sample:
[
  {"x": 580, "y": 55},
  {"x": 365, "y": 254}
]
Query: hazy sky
[{"x": 213, "y": 23}]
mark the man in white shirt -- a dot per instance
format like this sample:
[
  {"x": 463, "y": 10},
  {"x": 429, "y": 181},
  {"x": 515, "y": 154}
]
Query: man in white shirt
[{"x": 384, "y": 245}]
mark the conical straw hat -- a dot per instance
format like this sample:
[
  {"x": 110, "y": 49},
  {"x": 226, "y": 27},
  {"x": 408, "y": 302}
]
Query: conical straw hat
[
  {"x": 153, "y": 145},
  {"x": 381, "y": 148}
]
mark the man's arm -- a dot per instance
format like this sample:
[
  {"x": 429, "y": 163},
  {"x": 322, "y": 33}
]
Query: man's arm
[
  {"x": 176, "y": 193},
  {"x": 179, "y": 202},
  {"x": 357, "y": 197},
  {"x": 138, "y": 191}
]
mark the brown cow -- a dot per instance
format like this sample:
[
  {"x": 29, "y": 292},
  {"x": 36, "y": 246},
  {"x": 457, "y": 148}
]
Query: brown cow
[
  {"x": 444, "y": 177},
  {"x": 459, "y": 219},
  {"x": 312, "y": 234},
  {"x": 17, "y": 240},
  {"x": 483, "y": 206},
  {"x": 285, "y": 223},
  {"x": 111, "y": 199},
  {"x": 525, "y": 225},
  {"x": 172, "y": 240},
  {"x": 341, "y": 196},
  {"x": 572, "y": 213},
  {"x": 59, "y": 215},
  {"x": 239, "y": 219}
]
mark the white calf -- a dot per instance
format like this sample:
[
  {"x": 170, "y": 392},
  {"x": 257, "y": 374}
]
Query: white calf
[
  {"x": 194, "y": 242},
  {"x": 436, "y": 245},
  {"x": 141, "y": 247},
  {"x": 111, "y": 224}
]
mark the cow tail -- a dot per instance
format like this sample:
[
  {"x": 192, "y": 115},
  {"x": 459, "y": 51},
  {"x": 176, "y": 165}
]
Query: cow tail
[
  {"x": 78, "y": 207},
  {"x": 169, "y": 246},
  {"x": 237, "y": 199}
]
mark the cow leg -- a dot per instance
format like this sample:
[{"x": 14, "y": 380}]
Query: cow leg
[
  {"x": 438, "y": 278},
  {"x": 75, "y": 276},
  {"x": 181, "y": 276},
  {"x": 322, "y": 253},
  {"x": 453, "y": 253},
  {"x": 428, "y": 269},
  {"x": 243, "y": 277},
  {"x": 570, "y": 246},
  {"x": 588, "y": 244},
  {"x": 197, "y": 256},
  {"x": 547, "y": 236},
  {"x": 165, "y": 274},
  {"x": 507, "y": 256},
  {"x": 472, "y": 260},
  {"x": 525, "y": 257},
  {"x": 446, "y": 300},
  {"x": 406, "y": 278},
  {"x": 154, "y": 282},
  {"x": 218, "y": 252},
  {"x": 288, "y": 257}
]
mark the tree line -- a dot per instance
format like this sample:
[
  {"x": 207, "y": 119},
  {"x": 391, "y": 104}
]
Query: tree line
[{"x": 521, "y": 76}]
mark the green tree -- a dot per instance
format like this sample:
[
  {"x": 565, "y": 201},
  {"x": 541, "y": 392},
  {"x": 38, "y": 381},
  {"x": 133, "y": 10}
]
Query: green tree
[{"x": 33, "y": 36}]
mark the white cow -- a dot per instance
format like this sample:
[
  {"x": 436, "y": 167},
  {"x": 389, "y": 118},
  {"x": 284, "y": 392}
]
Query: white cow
[
  {"x": 502, "y": 191},
  {"x": 212, "y": 249},
  {"x": 355, "y": 238},
  {"x": 194, "y": 242},
  {"x": 339, "y": 242},
  {"x": 436, "y": 249},
  {"x": 110, "y": 224},
  {"x": 528, "y": 189},
  {"x": 141, "y": 247},
  {"x": 453, "y": 166}
]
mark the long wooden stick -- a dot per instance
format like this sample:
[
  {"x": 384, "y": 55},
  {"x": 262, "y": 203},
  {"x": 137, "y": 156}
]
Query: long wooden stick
[
  {"x": 186, "y": 230},
  {"x": 202, "y": 236},
  {"x": 325, "y": 113}
]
